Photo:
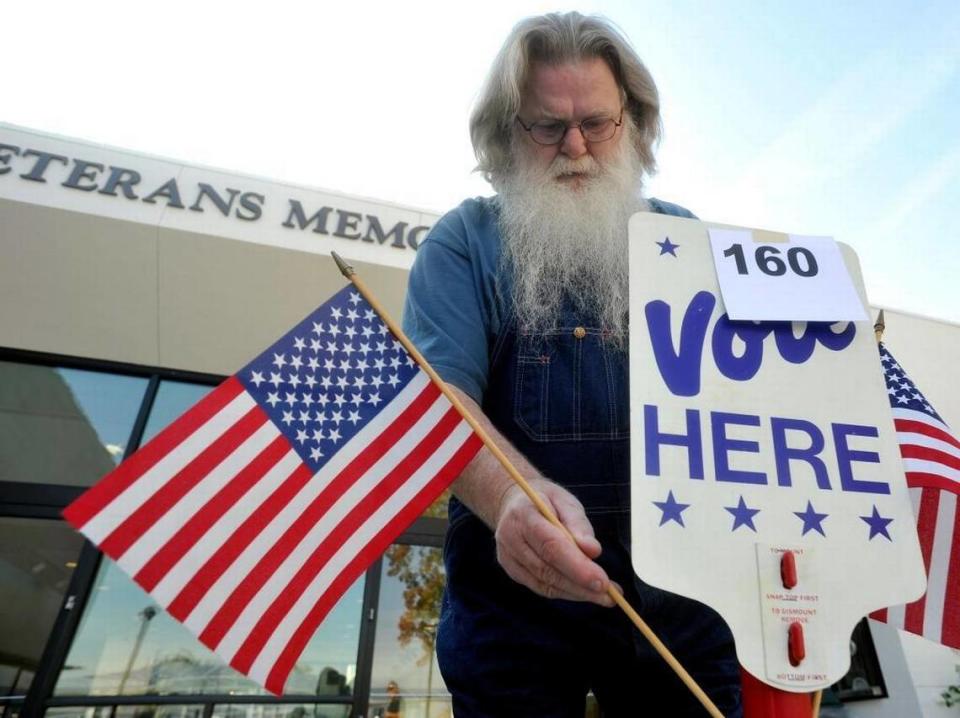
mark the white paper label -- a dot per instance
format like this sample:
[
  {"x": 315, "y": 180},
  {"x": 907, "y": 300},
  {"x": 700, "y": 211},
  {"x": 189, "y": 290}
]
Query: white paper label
[{"x": 802, "y": 279}]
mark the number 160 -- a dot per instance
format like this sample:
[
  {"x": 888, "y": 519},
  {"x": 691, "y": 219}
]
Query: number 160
[{"x": 768, "y": 260}]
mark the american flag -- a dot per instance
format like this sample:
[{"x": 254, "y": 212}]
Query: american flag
[
  {"x": 249, "y": 516},
  {"x": 931, "y": 459}
]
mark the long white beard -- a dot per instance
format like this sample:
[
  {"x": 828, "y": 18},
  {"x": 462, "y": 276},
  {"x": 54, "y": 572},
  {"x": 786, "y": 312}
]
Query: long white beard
[{"x": 561, "y": 242}]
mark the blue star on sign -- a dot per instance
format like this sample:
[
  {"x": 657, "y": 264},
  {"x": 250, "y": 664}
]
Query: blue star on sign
[
  {"x": 672, "y": 510},
  {"x": 667, "y": 247},
  {"x": 878, "y": 525},
  {"x": 811, "y": 520},
  {"x": 742, "y": 515}
]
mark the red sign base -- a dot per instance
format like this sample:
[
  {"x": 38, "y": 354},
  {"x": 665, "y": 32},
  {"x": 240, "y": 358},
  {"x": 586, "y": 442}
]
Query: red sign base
[{"x": 763, "y": 701}]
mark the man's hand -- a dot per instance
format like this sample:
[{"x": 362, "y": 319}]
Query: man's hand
[
  {"x": 531, "y": 550},
  {"x": 538, "y": 555}
]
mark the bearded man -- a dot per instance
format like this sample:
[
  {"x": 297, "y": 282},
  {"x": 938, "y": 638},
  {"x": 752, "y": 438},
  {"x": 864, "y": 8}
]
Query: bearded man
[{"x": 520, "y": 303}]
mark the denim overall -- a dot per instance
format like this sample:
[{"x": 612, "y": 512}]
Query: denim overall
[{"x": 562, "y": 400}]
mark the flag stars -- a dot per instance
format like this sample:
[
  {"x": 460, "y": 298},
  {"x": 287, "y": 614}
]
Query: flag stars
[
  {"x": 374, "y": 398},
  {"x": 336, "y": 417},
  {"x": 276, "y": 379},
  {"x": 354, "y": 298},
  {"x": 336, "y": 313},
  {"x": 334, "y": 330},
  {"x": 393, "y": 380},
  {"x": 310, "y": 381},
  {"x": 256, "y": 378},
  {"x": 287, "y": 418},
  {"x": 334, "y": 435},
  {"x": 811, "y": 520},
  {"x": 339, "y": 401},
  {"x": 369, "y": 315},
  {"x": 279, "y": 360},
  {"x": 356, "y": 399},
  {"x": 299, "y": 343},
  {"x": 296, "y": 362},
  {"x": 301, "y": 435},
  {"x": 352, "y": 314},
  {"x": 273, "y": 399},
  {"x": 317, "y": 328},
  {"x": 878, "y": 525},
  {"x": 354, "y": 417},
  {"x": 304, "y": 417},
  {"x": 289, "y": 398},
  {"x": 367, "y": 332},
  {"x": 318, "y": 435},
  {"x": 316, "y": 454},
  {"x": 294, "y": 381},
  {"x": 315, "y": 345}
]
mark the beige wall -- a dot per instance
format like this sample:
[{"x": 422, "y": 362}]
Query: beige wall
[{"x": 89, "y": 286}]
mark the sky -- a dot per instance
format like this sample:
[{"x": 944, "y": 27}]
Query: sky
[{"x": 830, "y": 118}]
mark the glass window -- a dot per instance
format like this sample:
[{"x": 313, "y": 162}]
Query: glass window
[
  {"x": 86, "y": 415},
  {"x": 144, "y": 711},
  {"x": 173, "y": 398},
  {"x": 37, "y": 557},
  {"x": 405, "y": 674},
  {"x": 282, "y": 711},
  {"x": 126, "y": 645}
]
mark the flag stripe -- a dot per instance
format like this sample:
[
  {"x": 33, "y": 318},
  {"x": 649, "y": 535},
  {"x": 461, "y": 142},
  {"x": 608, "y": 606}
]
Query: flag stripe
[
  {"x": 931, "y": 467},
  {"x": 187, "y": 536},
  {"x": 285, "y": 661},
  {"x": 924, "y": 453},
  {"x": 143, "y": 487},
  {"x": 950, "y": 635},
  {"x": 901, "y": 415},
  {"x": 207, "y": 590},
  {"x": 939, "y": 566},
  {"x": 166, "y": 496},
  {"x": 372, "y": 501},
  {"x": 189, "y": 589},
  {"x": 929, "y": 500},
  {"x": 227, "y": 628},
  {"x": 927, "y": 426},
  {"x": 213, "y": 621},
  {"x": 934, "y": 438},
  {"x": 201, "y": 490},
  {"x": 924, "y": 480},
  {"x": 101, "y": 494}
]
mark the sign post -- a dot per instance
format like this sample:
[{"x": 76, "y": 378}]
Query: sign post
[{"x": 766, "y": 479}]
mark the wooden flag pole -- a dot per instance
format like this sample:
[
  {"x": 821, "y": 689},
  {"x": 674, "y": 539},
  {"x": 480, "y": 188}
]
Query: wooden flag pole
[{"x": 541, "y": 505}]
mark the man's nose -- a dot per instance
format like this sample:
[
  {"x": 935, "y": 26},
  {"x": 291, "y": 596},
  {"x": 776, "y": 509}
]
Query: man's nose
[{"x": 573, "y": 144}]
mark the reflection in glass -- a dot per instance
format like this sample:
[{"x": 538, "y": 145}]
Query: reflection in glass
[
  {"x": 144, "y": 711},
  {"x": 282, "y": 711},
  {"x": 85, "y": 416},
  {"x": 126, "y": 645},
  {"x": 37, "y": 557},
  {"x": 173, "y": 398},
  {"x": 411, "y": 589}
]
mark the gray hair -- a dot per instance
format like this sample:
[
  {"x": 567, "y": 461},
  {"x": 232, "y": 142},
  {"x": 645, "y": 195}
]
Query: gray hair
[{"x": 558, "y": 38}]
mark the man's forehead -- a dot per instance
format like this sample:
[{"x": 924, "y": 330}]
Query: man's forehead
[{"x": 577, "y": 87}]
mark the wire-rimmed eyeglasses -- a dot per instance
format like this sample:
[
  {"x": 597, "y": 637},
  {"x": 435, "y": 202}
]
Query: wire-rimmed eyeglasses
[{"x": 552, "y": 132}]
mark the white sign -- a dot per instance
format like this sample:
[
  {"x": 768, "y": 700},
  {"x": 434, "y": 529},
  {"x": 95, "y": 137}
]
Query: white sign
[
  {"x": 766, "y": 477},
  {"x": 799, "y": 279}
]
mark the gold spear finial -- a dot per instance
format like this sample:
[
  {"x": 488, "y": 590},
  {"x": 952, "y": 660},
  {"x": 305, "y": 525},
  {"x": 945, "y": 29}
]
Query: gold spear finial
[
  {"x": 345, "y": 268},
  {"x": 879, "y": 327}
]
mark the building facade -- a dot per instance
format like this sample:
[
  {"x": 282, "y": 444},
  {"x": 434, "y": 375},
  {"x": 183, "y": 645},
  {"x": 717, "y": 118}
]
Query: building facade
[{"x": 131, "y": 285}]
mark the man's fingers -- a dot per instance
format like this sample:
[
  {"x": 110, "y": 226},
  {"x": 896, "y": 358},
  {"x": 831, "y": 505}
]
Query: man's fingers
[
  {"x": 571, "y": 514},
  {"x": 546, "y": 581},
  {"x": 545, "y": 543}
]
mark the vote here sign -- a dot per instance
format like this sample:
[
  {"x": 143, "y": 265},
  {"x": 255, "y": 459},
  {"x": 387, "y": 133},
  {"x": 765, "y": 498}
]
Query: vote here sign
[{"x": 766, "y": 479}]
